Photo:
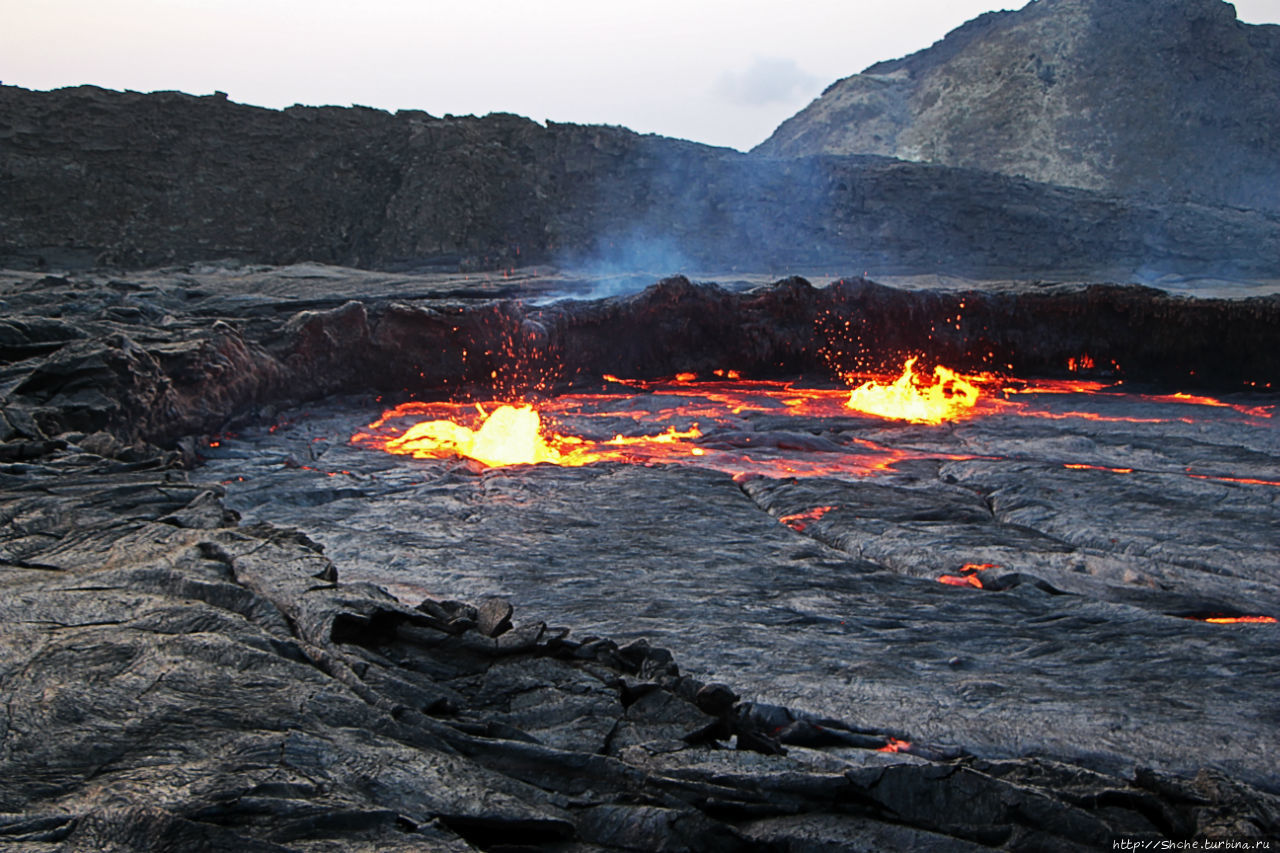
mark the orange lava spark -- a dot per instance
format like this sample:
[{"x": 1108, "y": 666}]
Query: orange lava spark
[
  {"x": 895, "y": 745},
  {"x": 950, "y": 396}
]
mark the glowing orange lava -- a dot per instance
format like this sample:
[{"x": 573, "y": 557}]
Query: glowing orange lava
[
  {"x": 657, "y": 421},
  {"x": 1084, "y": 362},
  {"x": 514, "y": 435},
  {"x": 1078, "y": 467},
  {"x": 968, "y": 576},
  {"x": 800, "y": 520},
  {"x": 1196, "y": 400},
  {"x": 509, "y": 435},
  {"x": 1236, "y": 620},
  {"x": 948, "y": 397},
  {"x": 895, "y": 745},
  {"x": 1248, "y": 481},
  {"x": 957, "y": 580}
]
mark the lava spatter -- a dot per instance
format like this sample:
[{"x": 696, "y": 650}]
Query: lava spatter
[{"x": 948, "y": 396}]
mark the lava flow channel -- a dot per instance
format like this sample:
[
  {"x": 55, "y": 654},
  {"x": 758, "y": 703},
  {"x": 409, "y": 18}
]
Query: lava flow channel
[
  {"x": 708, "y": 423},
  {"x": 523, "y": 435}
]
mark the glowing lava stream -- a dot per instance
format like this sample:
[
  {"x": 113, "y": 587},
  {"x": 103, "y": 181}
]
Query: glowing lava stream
[
  {"x": 520, "y": 433},
  {"x": 509, "y": 435},
  {"x": 514, "y": 435}
]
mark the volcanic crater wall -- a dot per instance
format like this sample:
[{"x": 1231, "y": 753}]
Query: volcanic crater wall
[
  {"x": 106, "y": 365},
  {"x": 94, "y": 177}
]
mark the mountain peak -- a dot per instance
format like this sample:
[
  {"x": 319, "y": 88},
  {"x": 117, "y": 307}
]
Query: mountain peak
[{"x": 1173, "y": 99}]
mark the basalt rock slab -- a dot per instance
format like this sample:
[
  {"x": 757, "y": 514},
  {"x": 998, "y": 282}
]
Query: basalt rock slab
[{"x": 184, "y": 685}]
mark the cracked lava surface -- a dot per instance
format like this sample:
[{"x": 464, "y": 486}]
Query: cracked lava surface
[{"x": 795, "y": 550}]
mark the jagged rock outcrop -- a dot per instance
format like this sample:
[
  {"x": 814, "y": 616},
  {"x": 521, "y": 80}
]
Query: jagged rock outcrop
[
  {"x": 160, "y": 357},
  {"x": 1173, "y": 99},
  {"x": 125, "y": 179}
]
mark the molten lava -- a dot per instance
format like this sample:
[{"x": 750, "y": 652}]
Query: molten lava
[
  {"x": 510, "y": 435},
  {"x": 800, "y": 520},
  {"x": 957, "y": 580},
  {"x": 1237, "y": 620},
  {"x": 656, "y": 421},
  {"x": 516, "y": 435},
  {"x": 968, "y": 575},
  {"x": 948, "y": 397}
]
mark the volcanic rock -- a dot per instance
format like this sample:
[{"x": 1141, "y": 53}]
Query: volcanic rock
[
  {"x": 493, "y": 617},
  {"x": 132, "y": 180},
  {"x": 1173, "y": 99},
  {"x": 243, "y": 348},
  {"x": 172, "y": 677}
]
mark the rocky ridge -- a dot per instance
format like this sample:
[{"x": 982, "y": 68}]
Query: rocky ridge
[
  {"x": 158, "y": 357},
  {"x": 1170, "y": 100},
  {"x": 94, "y": 177}
]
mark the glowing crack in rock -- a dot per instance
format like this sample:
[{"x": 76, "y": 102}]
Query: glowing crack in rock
[
  {"x": 800, "y": 520},
  {"x": 968, "y": 575}
]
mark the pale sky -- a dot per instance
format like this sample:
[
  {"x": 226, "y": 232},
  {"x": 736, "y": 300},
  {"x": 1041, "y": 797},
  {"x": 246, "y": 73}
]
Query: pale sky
[{"x": 723, "y": 72}]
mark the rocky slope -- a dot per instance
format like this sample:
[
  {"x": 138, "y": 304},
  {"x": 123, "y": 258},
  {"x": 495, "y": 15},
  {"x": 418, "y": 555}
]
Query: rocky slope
[
  {"x": 124, "y": 179},
  {"x": 1174, "y": 99}
]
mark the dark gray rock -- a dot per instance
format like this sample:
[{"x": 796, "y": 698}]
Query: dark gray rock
[
  {"x": 200, "y": 690},
  {"x": 173, "y": 679},
  {"x": 715, "y": 699},
  {"x": 177, "y": 179},
  {"x": 493, "y": 617}
]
